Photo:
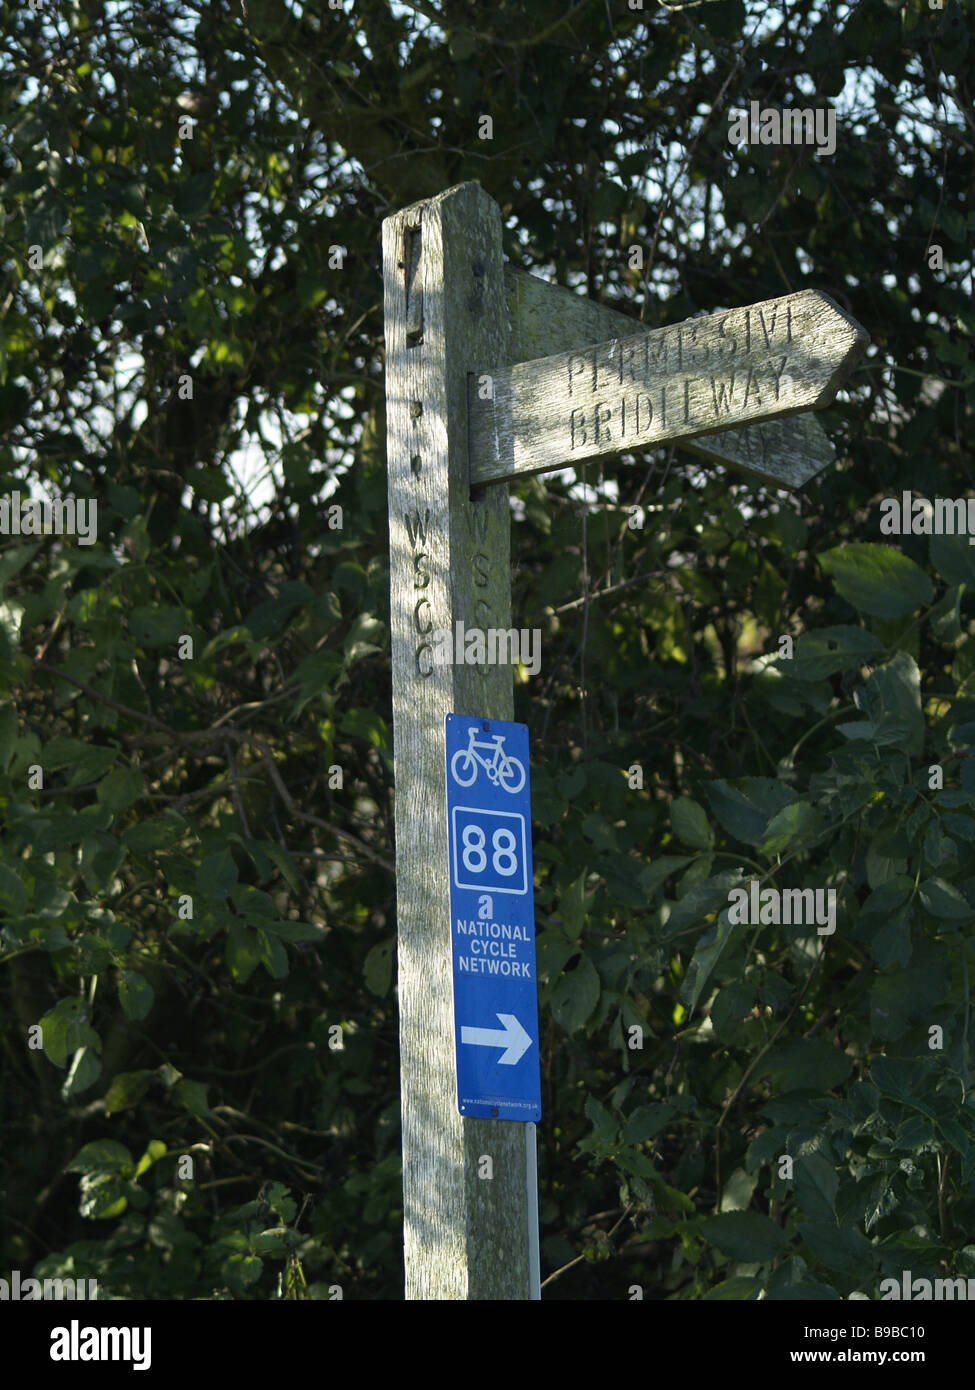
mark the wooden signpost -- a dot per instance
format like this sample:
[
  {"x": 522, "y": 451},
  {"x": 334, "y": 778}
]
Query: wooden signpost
[
  {"x": 748, "y": 365},
  {"x": 543, "y": 317},
  {"x": 480, "y": 388}
]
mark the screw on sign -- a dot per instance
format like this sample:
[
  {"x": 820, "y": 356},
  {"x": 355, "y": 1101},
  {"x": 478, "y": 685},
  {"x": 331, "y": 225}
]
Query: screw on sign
[{"x": 492, "y": 919}]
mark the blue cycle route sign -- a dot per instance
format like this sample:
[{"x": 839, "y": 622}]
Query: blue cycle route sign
[{"x": 492, "y": 919}]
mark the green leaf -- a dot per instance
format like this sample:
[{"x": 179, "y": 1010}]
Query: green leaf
[
  {"x": 12, "y": 561},
  {"x": 366, "y": 637},
  {"x": 572, "y": 782},
  {"x": 274, "y": 957},
  {"x": 84, "y": 1071},
  {"x": 316, "y": 674},
  {"x": 827, "y": 650},
  {"x": 216, "y": 875},
  {"x": 63, "y": 752},
  {"x": 746, "y": 806},
  {"x": 892, "y": 944},
  {"x": 706, "y": 956},
  {"x": 92, "y": 764},
  {"x": 575, "y": 995},
  {"x": 135, "y": 994},
  {"x": 902, "y": 995},
  {"x": 295, "y": 931},
  {"x": 192, "y": 1096},
  {"x": 807, "y": 1064},
  {"x": 229, "y": 637},
  {"x": 120, "y": 788},
  {"x": 701, "y": 900},
  {"x": 736, "y": 1195},
  {"x": 646, "y": 1122},
  {"x": 945, "y": 616},
  {"x": 65, "y": 1029},
  {"x": 11, "y": 616},
  {"x": 102, "y": 1196},
  {"x": 729, "y": 1008},
  {"x": 838, "y": 1248},
  {"x": 126, "y": 1090},
  {"x": 281, "y": 1202},
  {"x": 245, "y": 1269},
  {"x": 8, "y": 735},
  {"x": 801, "y": 1291},
  {"x": 604, "y": 1124},
  {"x": 599, "y": 832},
  {"x": 256, "y": 907},
  {"x": 312, "y": 286},
  {"x": 638, "y": 1164},
  {"x": 572, "y": 901},
  {"x": 271, "y": 616},
  {"x": 877, "y": 579},
  {"x": 286, "y": 866},
  {"x": 369, "y": 725},
  {"x": 690, "y": 824},
  {"x": 102, "y": 1156},
  {"x": 192, "y": 196},
  {"x": 551, "y": 953},
  {"x": 243, "y": 952},
  {"x": 158, "y": 832},
  {"x": 152, "y": 625},
  {"x": 953, "y": 558},
  {"x": 736, "y": 1290},
  {"x": 891, "y": 894},
  {"x": 256, "y": 855},
  {"x": 377, "y": 969},
  {"x": 745, "y": 1235},
  {"x": 660, "y": 870},
  {"x": 954, "y": 1134},
  {"x": 816, "y": 1183},
  {"x": 886, "y": 858},
  {"x": 891, "y": 697},
  {"x": 13, "y": 895},
  {"x": 794, "y": 825},
  {"x": 944, "y": 901},
  {"x": 155, "y": 1150}
]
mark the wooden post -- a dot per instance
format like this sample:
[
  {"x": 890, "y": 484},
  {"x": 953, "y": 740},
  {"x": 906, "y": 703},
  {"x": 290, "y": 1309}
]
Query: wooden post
[
  {"x": 456, "y": 320},
  {"x": 466, "y": 1236}
]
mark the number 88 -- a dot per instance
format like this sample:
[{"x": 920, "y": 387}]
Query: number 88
[{"x": 504, "y": 860}]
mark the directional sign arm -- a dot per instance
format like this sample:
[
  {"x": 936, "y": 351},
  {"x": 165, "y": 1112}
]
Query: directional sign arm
[
  {"x": 760, "y": 362},
  {"x": 544, "y": 317},
  {"x": 785, "y": 453}
]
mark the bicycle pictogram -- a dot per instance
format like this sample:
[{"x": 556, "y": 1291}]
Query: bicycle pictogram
[{"x": 502, "y": 770}]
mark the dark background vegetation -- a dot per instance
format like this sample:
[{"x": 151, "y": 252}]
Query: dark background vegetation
[{"x": 168, "y": 1035}]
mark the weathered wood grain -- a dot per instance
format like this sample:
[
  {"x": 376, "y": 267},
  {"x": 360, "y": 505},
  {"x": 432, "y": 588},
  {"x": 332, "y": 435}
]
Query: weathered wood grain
[
  {"x": 545, "y": 318},
  {"x": 763, "y": 361},
  {"x": 464, "y": 1237}
]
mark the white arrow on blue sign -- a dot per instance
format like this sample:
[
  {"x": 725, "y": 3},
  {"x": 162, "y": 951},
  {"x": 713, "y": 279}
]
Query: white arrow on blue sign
[{"x": 492, "y": 919}]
